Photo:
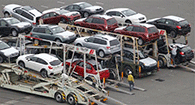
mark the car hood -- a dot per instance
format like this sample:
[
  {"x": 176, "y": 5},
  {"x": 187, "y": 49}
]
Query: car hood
[
  {"x": 151, "y": 20},
  {"x": 93, "y": 8},
  {"x": 80, "y": 20},
  {"x": 120, "y": 28},
  {"x": 11, "y": 6},
  {"x": 70, "y": 13},
  {"x": 81, "y": 39},
  {"x": 66, "y": 34},
  {"x": 35, "y": 12},
  {"x": 22, "y": 24},
  {"x": 9, "y": 51},
  {"x": 148, "y": 61},
  {"x": 137, "y": 16}
]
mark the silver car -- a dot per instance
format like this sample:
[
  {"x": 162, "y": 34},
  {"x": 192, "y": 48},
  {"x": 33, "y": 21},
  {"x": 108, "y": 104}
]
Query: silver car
[
  {"x": 103, "y": 44},
  {"x": 22, "y": 13}
]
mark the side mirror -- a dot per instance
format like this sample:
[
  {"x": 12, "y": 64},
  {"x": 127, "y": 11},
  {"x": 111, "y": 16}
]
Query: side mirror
[
  {"x": 85, "y": 40},
  {"x": 28, "y": 59},
  {"x": 51, "y": 33}
]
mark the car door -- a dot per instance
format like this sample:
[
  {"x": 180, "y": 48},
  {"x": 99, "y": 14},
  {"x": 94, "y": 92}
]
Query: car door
[
  {"x": 119, "y": 17},
  {"x": 80, "y": 68},
  {"x": 87, "y": 22},
  {"x": 128, "y": 30},
  {"x": 169, "y": 25},
  {"x": 88, "y": 42},
  {"x": 49, "y": 34},
  {"x": 77, "y": 8},
  {"x": 134, "y": 31},
  {"x": 31, "y": 63},
  {"x": 99, "y": 43},
  {"x": 69, "y": 8},
  {"x": 54, "y": 18},
  {"x": 17, "y": 13},
  {"x": 95, "y": 23},
  {"x": 46, "y": 18},
  {"x": 41, "y": 33},
  {"x": 4, "y": 28},
  {"x": 160, "y": 23}
]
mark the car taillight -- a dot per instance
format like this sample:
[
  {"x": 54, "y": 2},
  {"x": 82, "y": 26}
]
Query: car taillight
[
  {"x": 179, "y": 27},
  {"x": 31, "y": 33},
  {"x": 62, "y": 64},
  {"x": 190, "y": 25},
  {"x": 181, "y": 53},
  {"x": 192, "y": 51},
  {"x": 108, "y": 47},
  {"x": 34, "y": 23},
  {"x": 50, "y": 67}
]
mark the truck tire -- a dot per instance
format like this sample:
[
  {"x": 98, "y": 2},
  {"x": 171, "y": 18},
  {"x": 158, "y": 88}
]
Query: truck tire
[
  {"x": 71, "y": 99},
  {"x": 126, "y": 70},
  {"x": 59, "y": 97}
]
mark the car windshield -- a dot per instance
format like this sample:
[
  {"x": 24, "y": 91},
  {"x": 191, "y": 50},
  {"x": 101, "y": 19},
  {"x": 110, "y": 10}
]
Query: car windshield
[
  {"x": 55, "y": 62},
  {"x": 186, "y": 49},
  {"x": 13, "y": 21},
  {"x": 85, "y": 5},
  {"x": 99, "y": 67},
  {"x": 152, "y": 30},
  {"x": 183, "y": 23},
  {"x": 114, "y": 42},
  {"x": 57, "y": 30},
  {"x": 111, "y": 21},
  {"x": 62, "y": 11},
  {"x": 128, "y": 12},
  {"x": 3, "y": 46}
]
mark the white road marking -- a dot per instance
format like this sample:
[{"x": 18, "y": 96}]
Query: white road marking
[
  {"x": 60, "y": 2},
  {"x": 10, "y": 102},
  {"x": 44, "y": 6},
  {"x": 100, "y": 3},
  {"x": 2, "y": 5}
]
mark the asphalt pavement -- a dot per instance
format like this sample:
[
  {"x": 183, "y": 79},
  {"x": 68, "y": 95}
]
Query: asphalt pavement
[{"x": 169, "y": 86}]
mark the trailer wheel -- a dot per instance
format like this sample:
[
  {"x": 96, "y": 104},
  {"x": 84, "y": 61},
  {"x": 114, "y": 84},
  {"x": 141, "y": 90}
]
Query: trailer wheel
[
  {"x": 126, "y": 70},
  {"x": 59, "y": 97},
  {"x": 71, "y": 99}
]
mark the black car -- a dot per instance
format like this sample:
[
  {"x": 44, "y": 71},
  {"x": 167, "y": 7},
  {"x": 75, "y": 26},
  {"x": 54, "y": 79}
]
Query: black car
[
  {"x": 84, "y": 8},
  {"x": 174, "y": 25},
  {"x": 184, "y": 53},
  {"x": 13, "y": 26}
]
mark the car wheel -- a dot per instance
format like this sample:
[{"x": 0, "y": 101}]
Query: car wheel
[
  {"x": 1, "y": 59},
  {"x": 63, "y": 20},
  {"x": 86, "y": 14},
  {"x": 21, "y": 63},
  {"x": 140, "y": 41},
  {"x": 71, "y": 99},
  {"x": 173, "y": 34},
  {"x": 59, "y": 97},
  {"x": 128, "y": 21},
  {"x": 101, "y": 53},
  {"x": 162, "y": 62},
  {"x": 14, "y": 33},
  {"x": 126, "y": 70},
  {"x": 6, "y": 15},
  {"x": 44, "y": 73}
]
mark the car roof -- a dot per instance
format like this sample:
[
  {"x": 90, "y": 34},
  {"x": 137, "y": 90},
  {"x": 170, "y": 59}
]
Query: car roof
[
  {"x": 46, "y": 57},
  {"x": 32, "y": 10},
  {"x": 78, "y": 3},
  {"x": 175, "y": 18},
  {"x": 47, "y": 25},
  {"x": 117, "y": 9},
  {"x": 180, "y": 45},
  {"x": 102, "y": 16},
  {"x": 107, "y": 37},
  {"x": 130, "y": 49},
  {"x": 51, "y": 10},
  {"x": 144, "y": 24}
]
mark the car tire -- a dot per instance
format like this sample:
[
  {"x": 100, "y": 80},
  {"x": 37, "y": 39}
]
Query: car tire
[
  {"x": 63, "y": 20},
  {"x": 126, "y": 70},
  {"x": 14, "y": 33},
  {"x": 173, "y": 34},
  {"x": 86, "y": 14},
  {"x": 101, "y": 53},
  {"x": 71, "y": 99},
  {"x": 140, "y": 41},
  {"x": 6, "y": 15},
  {"x": 21, "y": 63},
  {"x": 44, "y": 73},
  {"x": 1, "y": 59},
  {"x": 59, "y": 97},
  {"x": 162, "y": 62}
]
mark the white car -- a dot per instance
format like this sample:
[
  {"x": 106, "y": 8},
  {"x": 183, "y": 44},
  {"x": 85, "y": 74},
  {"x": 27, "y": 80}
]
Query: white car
[
  {"x": 126, "y": 15},
  {"x": 46, "y": 64}
]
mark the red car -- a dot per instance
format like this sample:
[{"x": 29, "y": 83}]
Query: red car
[
  {"x": 55, "y": 15},
  {"x": 145, "y": 32},
  {"x": 99, "y": 22},
  {"x": 90, "y": 68}
]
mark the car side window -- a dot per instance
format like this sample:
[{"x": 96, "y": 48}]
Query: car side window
[
  {"x": 98, "y": 21},
  {"x": 161, "y": 21},
  {"x": 89, "y": 20},
  {"x": 90, "y": 39},
  {"x": 39, "y": 60},
  {"x": 76, "y": 7},
  {"x": 18, "y": 11},
  {"x": 141, "y": 29},
  {"x": 53, "y": 14},
  {"x": 33, "y": 59},
  {"x": 45, "y": 16},
  {"x": 81, "y": 64},
  {"x": 41, "y": 30},
  {"x": 135, "y": 29},
  {"x": 169, "y": 22},
  {"x": 3, "y": 23},
  {"x": 47, "y": 31},
  {"x": 88, "y": 66},
  {"x": 111, "y": 13},
  {"x": 25, "y": 14},
  {"x": 99, "y": 41},
  {"x": 119, "y": 14},
  {"x": 70, "y": 7},
  {"x": 36, "y": 30},
  {"x": 129, "y": 28}
]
